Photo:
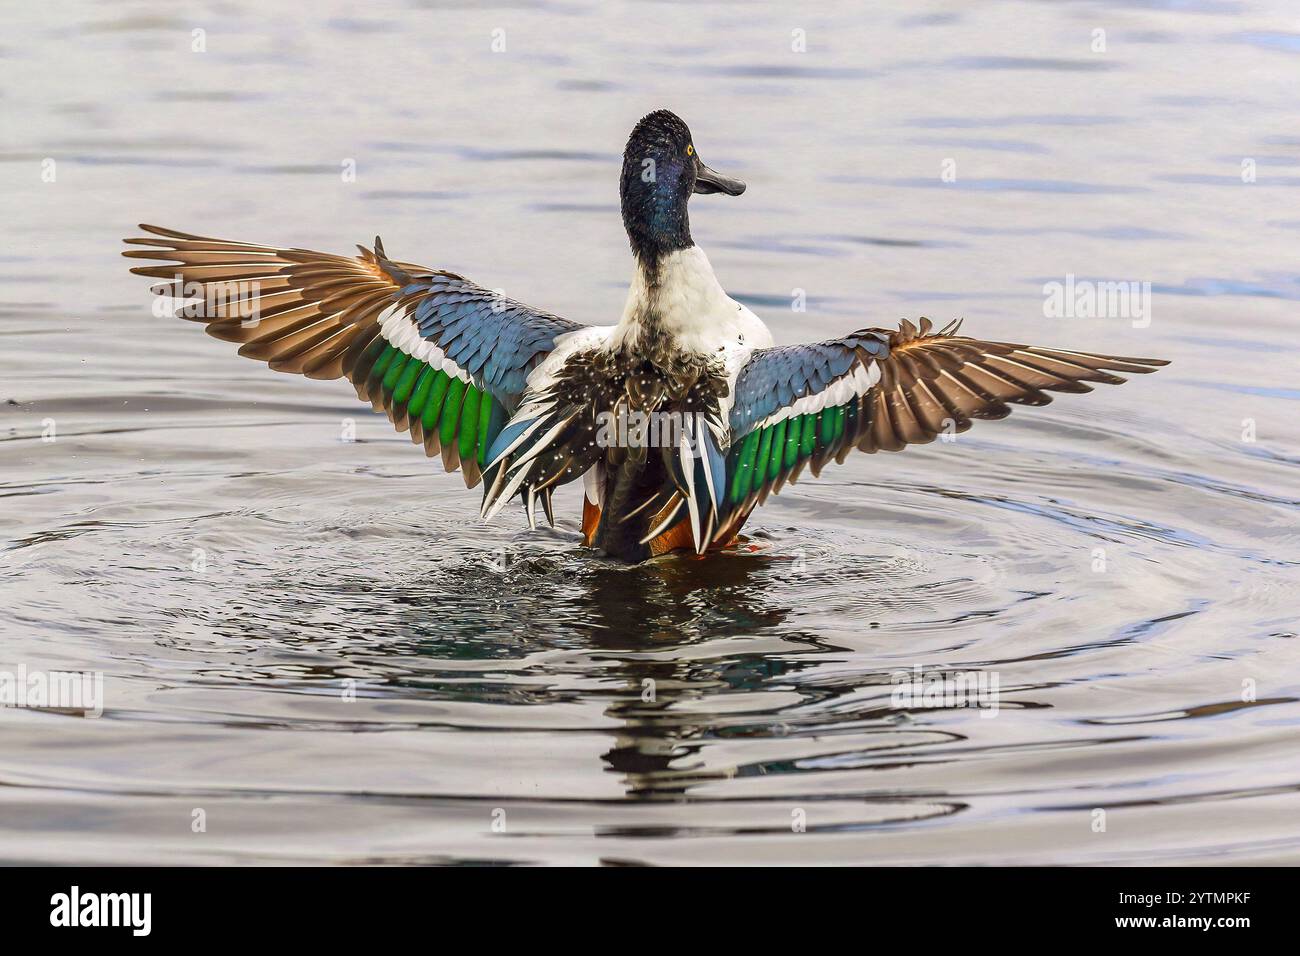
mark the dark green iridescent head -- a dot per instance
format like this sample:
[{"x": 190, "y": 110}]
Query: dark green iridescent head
[{"x": 661, "y": 171}]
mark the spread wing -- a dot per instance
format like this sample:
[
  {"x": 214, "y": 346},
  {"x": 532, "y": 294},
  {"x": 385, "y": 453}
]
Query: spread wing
[
  {"x": 882, "y": 390},
  {"x": 446, "y": 359}
]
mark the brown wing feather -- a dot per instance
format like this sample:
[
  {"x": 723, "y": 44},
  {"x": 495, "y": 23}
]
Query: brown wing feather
[
  {"x": 312, "y": 313},
  {"x": 932, "y": 382},
  {"x": 295, "y": 309}
]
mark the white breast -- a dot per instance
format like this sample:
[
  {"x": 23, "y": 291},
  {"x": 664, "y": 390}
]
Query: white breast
[{"x": 690, "y": 306}]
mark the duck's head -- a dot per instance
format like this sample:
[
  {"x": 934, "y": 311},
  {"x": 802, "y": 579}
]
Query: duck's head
[{"x": 661, "y": 170}]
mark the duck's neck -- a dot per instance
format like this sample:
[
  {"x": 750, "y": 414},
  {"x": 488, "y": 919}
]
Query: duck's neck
[
  {"x": 657, "y": 222},
  {"x": 674, "y": 304}
]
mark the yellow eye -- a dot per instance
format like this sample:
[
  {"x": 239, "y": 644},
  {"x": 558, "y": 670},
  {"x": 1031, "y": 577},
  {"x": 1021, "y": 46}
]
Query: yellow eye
[{"x": 690, "y": 150}]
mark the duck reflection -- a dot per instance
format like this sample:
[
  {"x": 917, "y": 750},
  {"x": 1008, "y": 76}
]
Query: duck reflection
[
  {"x": 676, "y": 600},
  {"x": 662, "y": 708},
  {"x": 648, "y": 630}
]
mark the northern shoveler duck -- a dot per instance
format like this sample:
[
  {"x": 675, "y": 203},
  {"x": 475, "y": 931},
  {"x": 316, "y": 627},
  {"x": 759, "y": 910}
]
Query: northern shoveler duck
[{"x": 680, "y": 418}]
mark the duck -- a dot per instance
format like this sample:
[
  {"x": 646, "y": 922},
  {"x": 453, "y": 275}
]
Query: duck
[{"x": 680, "y": 418}]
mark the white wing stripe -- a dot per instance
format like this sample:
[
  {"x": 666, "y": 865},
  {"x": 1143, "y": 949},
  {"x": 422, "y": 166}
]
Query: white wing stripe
[
  {"x": 848, "y": 386},
  {"x": 399, "y": 329}
]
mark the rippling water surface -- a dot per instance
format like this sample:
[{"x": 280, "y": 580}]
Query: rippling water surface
[{"x": 318, "y": 644}]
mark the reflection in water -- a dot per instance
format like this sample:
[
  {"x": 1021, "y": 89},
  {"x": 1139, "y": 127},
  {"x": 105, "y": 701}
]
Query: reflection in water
[
  {"x": 637, "y": 612},
  {"x": 679, "y": 599}
]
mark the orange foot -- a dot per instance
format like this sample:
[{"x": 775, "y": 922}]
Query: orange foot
[{"x": 676, "y": 538}]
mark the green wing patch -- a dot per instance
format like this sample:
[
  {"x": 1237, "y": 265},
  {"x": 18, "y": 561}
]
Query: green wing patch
[
  {"x": 444, "y": 412},
  {"x": 765, "y": 459}
]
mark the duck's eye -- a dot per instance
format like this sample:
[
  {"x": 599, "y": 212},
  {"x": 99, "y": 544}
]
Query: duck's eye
[{"x": 690, "y": 150}]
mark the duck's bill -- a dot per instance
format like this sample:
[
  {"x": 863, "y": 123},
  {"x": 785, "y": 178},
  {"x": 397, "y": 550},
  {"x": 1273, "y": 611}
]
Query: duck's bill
[{"x": 711, "y": 181}]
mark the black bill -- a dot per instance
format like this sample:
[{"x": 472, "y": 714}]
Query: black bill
[{"x": 711, "y": 181}]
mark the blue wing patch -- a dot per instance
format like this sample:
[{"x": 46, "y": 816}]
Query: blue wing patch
[
  {"x": 775, "y": 378},
  {"x": 496, "y": 340}
]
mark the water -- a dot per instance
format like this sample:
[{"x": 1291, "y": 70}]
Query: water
[{"x": 1124, "y": 564}]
